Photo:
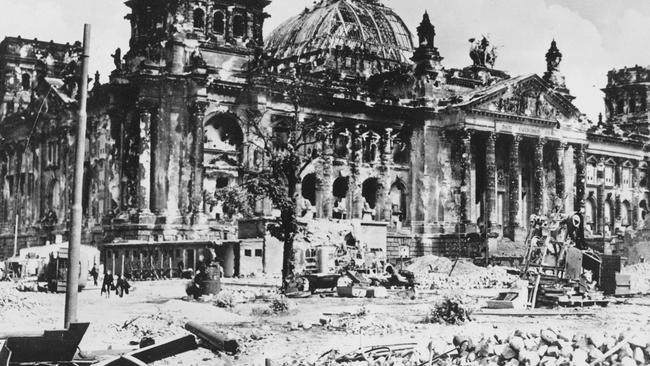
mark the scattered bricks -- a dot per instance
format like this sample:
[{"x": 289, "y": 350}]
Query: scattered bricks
[
  {"x": 508, "y": 353},
  {"x": 548, "y": 361},
  {"x": 530, "y": 344},
  {"x": 628, "y": 361},
  {"x": 639, "y": 356},
  {"x": 306, "y": 325},
  {"x": 548, "y": 336},
  {"x": 579, "y": 356},
  {"x": 541, "y": 351},
  {"x": 595, "y": 354},
  {"x": 596, "y": 339},
  {"x": 553, "y": 351},
  {"x": 565, "y": 349},
  {"x": 323, "y": 321},
  {"x": 517, "y": 343}
]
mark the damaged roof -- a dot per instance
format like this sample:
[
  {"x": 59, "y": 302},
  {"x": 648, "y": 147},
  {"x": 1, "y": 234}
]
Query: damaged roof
[{"x": 357, "y": 24}]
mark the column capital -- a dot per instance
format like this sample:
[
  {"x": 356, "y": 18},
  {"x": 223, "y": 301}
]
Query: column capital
[
  {"x": 541, "y": 142},
  {"x": 492, "y": 136},
  {"x": 517, "y": 138}
]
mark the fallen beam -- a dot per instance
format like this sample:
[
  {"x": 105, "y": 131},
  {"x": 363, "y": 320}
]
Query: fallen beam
[
  {"x": 533, "y": 313},
  {"x": 156, "y": 352},
  {"x": 215, "y": 341}
]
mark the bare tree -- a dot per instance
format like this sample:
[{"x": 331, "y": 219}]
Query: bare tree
[{"x": 288, "y": 146}]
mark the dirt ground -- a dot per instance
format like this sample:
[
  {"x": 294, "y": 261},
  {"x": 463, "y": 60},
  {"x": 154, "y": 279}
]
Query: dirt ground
[{"x": 159, "y": 310}]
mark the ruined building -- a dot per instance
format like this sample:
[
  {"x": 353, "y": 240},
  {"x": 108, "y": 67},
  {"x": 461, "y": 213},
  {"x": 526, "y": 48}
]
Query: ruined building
[{"x": 432, "y": 155}]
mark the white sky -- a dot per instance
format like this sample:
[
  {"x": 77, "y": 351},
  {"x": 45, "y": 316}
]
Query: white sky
[{"x": 594, "y": 35}]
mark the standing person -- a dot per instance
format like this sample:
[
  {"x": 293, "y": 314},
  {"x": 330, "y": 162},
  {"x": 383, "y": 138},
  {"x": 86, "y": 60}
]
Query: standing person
[
  {"x": 94, "y": 274},
  {"x": 108, "y": 284},
  {"x": 122, "y": 286}
]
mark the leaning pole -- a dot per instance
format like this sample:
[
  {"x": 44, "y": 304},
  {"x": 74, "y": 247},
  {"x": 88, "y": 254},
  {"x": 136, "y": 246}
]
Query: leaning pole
[{"x": 74, "y": 246}]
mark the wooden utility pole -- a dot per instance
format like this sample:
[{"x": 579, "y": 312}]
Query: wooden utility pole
[{"x": 74, "y": 246}]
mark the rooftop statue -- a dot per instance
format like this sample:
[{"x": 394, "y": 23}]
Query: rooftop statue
[
  {"x": 482, "y": 53},
  {"x": 553, "y": 58}
]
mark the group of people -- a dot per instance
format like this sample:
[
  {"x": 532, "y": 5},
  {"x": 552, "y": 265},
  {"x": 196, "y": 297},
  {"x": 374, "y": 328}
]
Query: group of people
[{"x": 109, "y": 284}]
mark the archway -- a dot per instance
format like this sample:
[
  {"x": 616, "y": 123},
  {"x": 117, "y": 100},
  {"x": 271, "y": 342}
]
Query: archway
[
  {"x": 626, "y": 213},
  {"x": 199, "y": 18},
  {"x": 608, "y": 216},
  {"x": 590, "y": 214},
  {"x": 309, "y": 188},
  {"x": 239, "y": 25},
  {"x": 340, "y": 190},
  {"x": 219, "y": 23},
  {"x": 398, "y": 201},
  {"x": 222, "y": 133},
  {"x": 369, "y": 192}
]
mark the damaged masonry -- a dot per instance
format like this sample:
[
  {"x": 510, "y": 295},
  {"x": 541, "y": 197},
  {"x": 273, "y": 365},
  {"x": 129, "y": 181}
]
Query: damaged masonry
[{"x": 336, "y": 158}]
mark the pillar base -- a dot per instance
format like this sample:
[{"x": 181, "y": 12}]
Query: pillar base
[
  {"x": 143, "y": 217},
  {"x": 199, "y": 218}
]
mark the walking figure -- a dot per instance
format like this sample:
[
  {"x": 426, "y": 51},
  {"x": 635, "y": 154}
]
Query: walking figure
[
  {"x": 94, "y": 274},
  {"x": 122, "y": 286},
  {"x": 108, "y": 284}
]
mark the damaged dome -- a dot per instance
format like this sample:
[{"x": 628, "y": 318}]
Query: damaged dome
[{"x": 360, "y": 25}]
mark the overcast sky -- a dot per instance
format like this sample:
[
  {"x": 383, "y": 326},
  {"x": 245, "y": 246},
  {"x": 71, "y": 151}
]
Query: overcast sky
[{"x": 594, "y": 35}]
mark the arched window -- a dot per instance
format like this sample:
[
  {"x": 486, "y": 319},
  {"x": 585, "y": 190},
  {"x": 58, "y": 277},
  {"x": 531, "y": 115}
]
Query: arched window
[
  {"x": 199, "y": 18},
  {"x": 223, "y": 133},
  {"x": 26, "y": 82},
  {"x": 340, "y": 193},
  {"x": 239, "y": 25},
  {"x": 219, "y": 23},
  {"x": 398, "y": 201},
  {"x": 626, "y": 213},
  {"x": 369, "y": 191},
  {"x": 590, "y": 214}
]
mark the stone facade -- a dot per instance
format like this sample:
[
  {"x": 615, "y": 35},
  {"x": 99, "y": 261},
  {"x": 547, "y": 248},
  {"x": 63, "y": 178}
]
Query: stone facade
[{"x": 444, "y": 156}]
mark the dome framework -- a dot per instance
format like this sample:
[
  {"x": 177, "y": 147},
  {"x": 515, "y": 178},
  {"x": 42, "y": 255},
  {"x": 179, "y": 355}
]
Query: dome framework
[{"x": 365, "y": 25}]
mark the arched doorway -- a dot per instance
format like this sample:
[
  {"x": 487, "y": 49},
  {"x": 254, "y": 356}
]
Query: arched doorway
[
  {"x": 590, "y": 215},
  {"x": 397, "y": 198},
  {"x": 309, "y": 188},
  {"x": 340, "y": 192},
  {"x": 369, "y": 190}
]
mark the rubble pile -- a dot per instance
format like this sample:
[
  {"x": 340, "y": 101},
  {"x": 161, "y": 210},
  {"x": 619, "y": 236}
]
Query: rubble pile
[
  {"x": 229, "y": 298},
  {"x": 432, "y": 272},
  {"x": 12, "y": 300},
  {"x": 640, "y": 281},
  {"x": 451, "y": 310},
  {"x": 430, "y": 264},
  {"x": 548, "y": 347}
]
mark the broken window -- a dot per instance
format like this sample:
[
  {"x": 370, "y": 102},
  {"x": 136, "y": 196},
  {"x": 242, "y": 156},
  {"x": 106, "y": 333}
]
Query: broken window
[
  {"x": 219, "y": 23},
  {"x": 26, "y": 82},
  {"x": 248, "y": 253},
  {"x": 309, "y": 188},
  {"x": 258, "y": 252},
  {"x": 239, "y": 25},
  {"x": 199, "y": 18}
]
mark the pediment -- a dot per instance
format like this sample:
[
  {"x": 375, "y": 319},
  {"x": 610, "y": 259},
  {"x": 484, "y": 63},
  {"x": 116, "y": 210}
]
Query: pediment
[{"x": 528, "y": 97}]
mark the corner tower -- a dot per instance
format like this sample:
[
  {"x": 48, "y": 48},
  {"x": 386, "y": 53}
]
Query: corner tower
[{"x": 177, "y": 36}]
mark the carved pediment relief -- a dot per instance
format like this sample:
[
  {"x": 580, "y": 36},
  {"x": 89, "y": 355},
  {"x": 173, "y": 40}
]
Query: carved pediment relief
[{"x": 528, "y": 98}]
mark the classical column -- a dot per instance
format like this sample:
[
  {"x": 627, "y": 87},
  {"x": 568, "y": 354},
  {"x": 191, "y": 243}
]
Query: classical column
[
  {"x": 384, "y": 211},
  {"x": 560, "y": 175},
  {"x": 196, "y": 190},
  {"x": 355, "y": 185},
  {"x": 466, "y": 177},
  {"x": 539, "y": 176},
  {"x": 515, "y": 184},
  {"x": 491, "y": 172},
  {"x": 636, "y": 185},
  {"x": 327, "y": 182},
  {"x": 600, "y": 201},
  {"x": 144, "y": 214},
  {"x": 581, "y": 179}
]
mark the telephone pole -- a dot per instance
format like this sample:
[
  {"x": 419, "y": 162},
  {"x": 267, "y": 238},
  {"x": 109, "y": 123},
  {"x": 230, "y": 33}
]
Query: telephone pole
[{"x": 74, "y": 246}]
